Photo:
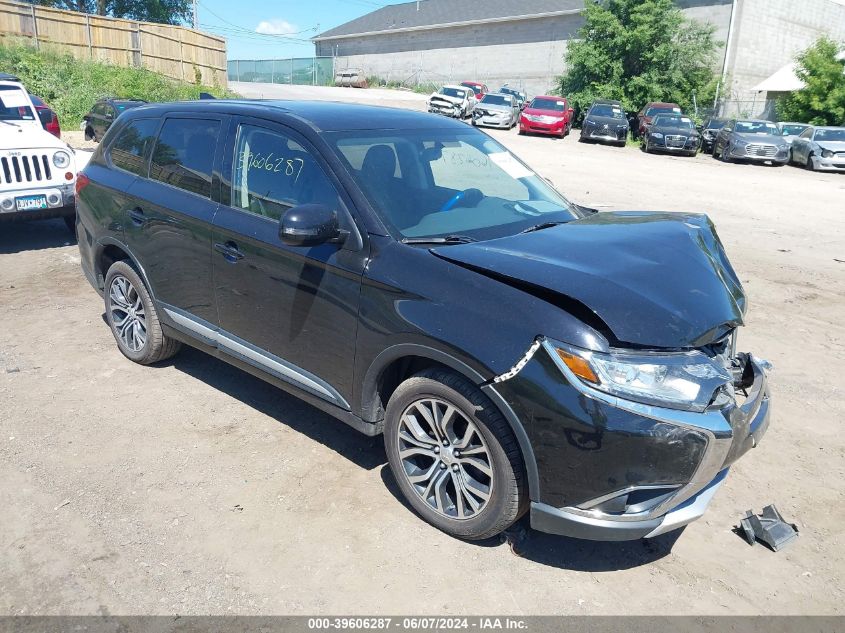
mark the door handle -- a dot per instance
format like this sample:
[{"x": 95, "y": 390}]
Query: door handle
[
  {"x": 230, "y": 251},
  {"x": 137, "y": 216}
]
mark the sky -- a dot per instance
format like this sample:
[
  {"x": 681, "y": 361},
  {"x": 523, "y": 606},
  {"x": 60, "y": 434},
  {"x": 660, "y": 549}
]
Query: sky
[{"x": 274, "y": 30}]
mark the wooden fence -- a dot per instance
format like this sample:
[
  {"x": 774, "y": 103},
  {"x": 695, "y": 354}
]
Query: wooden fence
[{"x": 174, "y": 51}]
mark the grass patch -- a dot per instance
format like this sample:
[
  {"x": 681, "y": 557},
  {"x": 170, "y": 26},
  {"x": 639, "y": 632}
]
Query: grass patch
[{"x": 71, "y": 86}]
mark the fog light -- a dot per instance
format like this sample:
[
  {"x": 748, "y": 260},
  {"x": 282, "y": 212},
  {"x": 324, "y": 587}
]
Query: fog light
[
  {"x": 53, "y": 199},
  {"x": 7, "y": 203}
]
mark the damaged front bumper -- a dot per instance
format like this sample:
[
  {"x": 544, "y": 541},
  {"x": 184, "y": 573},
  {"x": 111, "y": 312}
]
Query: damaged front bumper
[{"x": 611, "y": 469}]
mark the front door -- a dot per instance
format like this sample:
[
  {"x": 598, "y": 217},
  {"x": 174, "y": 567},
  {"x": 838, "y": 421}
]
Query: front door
[
  {"x": 168, "y": 227},
  {"x": 291, "y": 311}
]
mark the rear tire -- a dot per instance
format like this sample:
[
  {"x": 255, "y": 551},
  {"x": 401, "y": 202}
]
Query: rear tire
[
  {"x": 432, "y": 419},
  {"x": 133, "y": 319}
]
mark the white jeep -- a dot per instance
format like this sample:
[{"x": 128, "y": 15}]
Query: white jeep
[{"x": 37, "y": 170}]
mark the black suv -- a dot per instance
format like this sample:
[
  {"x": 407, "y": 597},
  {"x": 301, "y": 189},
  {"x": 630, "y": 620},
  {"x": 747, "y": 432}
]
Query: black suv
[
  {"x": 103, "y": 113},
  {"x": 407, "y": 274}
]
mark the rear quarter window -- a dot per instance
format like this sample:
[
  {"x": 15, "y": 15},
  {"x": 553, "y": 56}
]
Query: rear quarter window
[{"x": 128, "y": 151}]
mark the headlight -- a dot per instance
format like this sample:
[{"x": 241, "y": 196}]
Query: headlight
[
  {"x": 678, "y": 380},
  {"x": 826, "y": 153},
  {"x": 656, "y": 135},
  {"x": 61, "y": 159},
  {"x": 740, "y": 143}
]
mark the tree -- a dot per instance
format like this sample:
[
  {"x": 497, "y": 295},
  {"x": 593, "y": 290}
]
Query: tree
[
  {"x": 162, "y": 11},
  {"x": 636, "y": 51},
  {"x": 822, "y": 100}
]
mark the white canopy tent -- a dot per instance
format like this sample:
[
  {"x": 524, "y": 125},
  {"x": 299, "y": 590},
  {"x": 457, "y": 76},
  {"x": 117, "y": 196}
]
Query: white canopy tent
[{"x": 785, "y": 79}]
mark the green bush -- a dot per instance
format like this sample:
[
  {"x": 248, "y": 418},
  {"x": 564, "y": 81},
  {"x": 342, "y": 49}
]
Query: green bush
[
  {"x": 71, "y": 86},
  {"x": 822, "y": 100}
]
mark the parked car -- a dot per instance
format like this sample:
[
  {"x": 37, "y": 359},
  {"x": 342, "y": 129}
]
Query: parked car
[
  {"x": 37, "y": 170},
  {"x": 547, "y": 115},
  {"x": 478, "y": 88},
  {"x": 672, "y": 133},
  {"x": 605, "y": 122},
  {"x": 709, "y": 131},
  {"x": 651, "y": 110},
  {"x": 410, "y": 276},
  {"x": 517, "y": 94},
  {"x": 496, "y": 110},
  {"x": 454, "y": 101},
  {"x": 48, "y": 117},
  {"x": 103, "y": 114},
  {"x": 820, "y": 148},
  {"x": 753, "y": 140},
  {"x": 791, "y": 131}
]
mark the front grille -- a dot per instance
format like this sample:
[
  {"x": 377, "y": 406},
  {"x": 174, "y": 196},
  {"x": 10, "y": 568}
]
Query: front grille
[
  {"x": 758, "y": 149},
  {"x": 24, "y": 169},
  {"x": 675, "y": 140}
]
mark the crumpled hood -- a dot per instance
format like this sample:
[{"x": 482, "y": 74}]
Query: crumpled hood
[
  {"x": 437, "y": 96},
  {"x": 655, "y": 279},
  {"x": 833, "y": 146}
]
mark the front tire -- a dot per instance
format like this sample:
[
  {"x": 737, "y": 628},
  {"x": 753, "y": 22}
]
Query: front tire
[
  {"x": 133, "y": 319},
  {"x": 811, "y": 166},
  {"x": 454, "y": 456}
]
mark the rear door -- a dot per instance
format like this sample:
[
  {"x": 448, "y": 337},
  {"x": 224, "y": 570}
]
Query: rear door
[
  {"x": 168, "y": 227},
  {"x": 289, "y": 310}
]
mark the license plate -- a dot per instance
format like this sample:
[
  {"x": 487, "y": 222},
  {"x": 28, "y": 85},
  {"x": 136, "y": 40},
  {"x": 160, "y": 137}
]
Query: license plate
[{"x": 31, "y": 203}]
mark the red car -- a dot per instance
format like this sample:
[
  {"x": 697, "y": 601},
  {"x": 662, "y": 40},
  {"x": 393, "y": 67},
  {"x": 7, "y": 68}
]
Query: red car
[
  {"x": 651, "y": 110},
  {"x": 547, "y": 115},
  {"x": 478, "y": 88},
  {"x": 49, "y": 118}
]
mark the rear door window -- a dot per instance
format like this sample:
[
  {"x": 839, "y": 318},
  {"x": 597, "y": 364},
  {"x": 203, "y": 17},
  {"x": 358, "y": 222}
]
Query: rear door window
[
  {"x": 129, "y": 150},
  {"x": 183, "y": 155}
]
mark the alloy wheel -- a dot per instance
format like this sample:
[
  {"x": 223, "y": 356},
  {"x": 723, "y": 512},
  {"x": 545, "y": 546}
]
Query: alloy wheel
[
  {"x": 445, "y": 459},
  {"x": 127, "y": 314}
]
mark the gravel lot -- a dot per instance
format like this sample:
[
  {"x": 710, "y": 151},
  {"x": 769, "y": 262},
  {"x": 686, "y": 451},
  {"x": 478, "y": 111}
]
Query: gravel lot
[{"x": 194, "y": 488}]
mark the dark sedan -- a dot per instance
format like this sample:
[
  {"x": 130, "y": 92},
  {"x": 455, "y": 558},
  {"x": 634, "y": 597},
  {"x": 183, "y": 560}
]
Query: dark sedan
[
  {"x": 709, "y": 131},
  {"x": 672, "y": 133},
  {"x": 605, "y": 122},
  {"x": 410, "y": 276}
]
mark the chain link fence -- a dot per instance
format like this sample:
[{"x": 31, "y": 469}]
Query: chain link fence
[{"x": 306, "y": 71}]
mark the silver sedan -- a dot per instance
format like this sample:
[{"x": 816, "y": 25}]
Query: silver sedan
[
  {"x": 496, "y": 110},
  {"x": 820, "y": 148}
]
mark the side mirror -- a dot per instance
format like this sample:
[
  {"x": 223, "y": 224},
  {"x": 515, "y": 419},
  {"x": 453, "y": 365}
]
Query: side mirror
[{"x": 309, "y": 225}]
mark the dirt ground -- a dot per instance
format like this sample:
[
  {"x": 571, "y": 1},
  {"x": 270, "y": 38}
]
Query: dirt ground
[{"x": 194, "y": 488}]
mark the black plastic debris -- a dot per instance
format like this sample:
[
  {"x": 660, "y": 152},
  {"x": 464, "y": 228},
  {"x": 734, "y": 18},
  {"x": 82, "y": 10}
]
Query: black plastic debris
[{"x": 767, "y": 527}]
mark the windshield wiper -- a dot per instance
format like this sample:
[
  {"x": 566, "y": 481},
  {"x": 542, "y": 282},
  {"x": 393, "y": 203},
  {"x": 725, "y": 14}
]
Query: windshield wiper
[
  {"x": 543, "y": 225},
  {"x": 449, "y": 239}
]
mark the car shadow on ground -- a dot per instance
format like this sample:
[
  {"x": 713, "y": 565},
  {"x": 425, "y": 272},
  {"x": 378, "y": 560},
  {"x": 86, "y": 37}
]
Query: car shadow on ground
[
  {"x": 563, "y": 552},
  {"x": 366, "y": 452},
  {"x": 16, "y": 237}
]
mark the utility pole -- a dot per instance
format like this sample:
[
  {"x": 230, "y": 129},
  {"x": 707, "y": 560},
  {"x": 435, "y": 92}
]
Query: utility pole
[{"x": 196, "y": 21}]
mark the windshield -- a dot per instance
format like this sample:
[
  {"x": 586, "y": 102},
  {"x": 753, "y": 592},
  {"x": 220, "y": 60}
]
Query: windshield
[
  {"x": 496, "y": 100},
  {"x": 442, "y": 182},
  {"x": 475, "y": 89},
  {"x": 836, "y": 134},
  {"x": 558, "y": 105},
  {"x": 608, "y": 111},
  {"x": 756, "y": 127},
  {"x": 14, "y": 106},
  {"x": 453, "y": 92},
  {"x": 792, "y": 130},
  {"x": 673, "y": 121},
  {"x": 510, "y": 91},
  {"x": 715, "y": 124},
  {"x": 662, "y": 110}
]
